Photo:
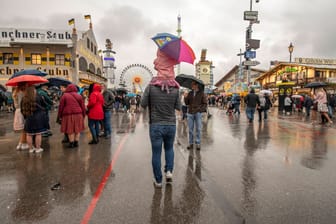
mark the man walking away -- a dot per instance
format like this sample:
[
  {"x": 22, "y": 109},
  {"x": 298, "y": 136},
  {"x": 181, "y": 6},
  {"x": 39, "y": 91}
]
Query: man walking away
[
  {"x": 236, "y": 103},
  {"x": 264, "y": 105},
  {"x": 161, "y": 97},
  {"x": 42, "y": 90},
  {"x": 308, "y": 103},
  {"x": 251, "y": 101},
  {"x": 108, "y": 107}
]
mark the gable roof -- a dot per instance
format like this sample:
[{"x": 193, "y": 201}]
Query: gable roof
[{"x": 232, "y": 71}]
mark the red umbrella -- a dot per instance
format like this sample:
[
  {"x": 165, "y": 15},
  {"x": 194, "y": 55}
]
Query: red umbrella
[
  {"x": 29, "y": 79},
  {"x": 175, "y": 47}
]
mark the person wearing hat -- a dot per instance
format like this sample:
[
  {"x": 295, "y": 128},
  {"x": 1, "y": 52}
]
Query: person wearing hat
[
  {"x": 42, "y": 91},
  {"x": 162, "y": 98}
]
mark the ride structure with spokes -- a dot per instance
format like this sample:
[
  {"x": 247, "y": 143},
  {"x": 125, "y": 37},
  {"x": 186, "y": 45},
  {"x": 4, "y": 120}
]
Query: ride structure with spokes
[{"x": 135, "y": 77}]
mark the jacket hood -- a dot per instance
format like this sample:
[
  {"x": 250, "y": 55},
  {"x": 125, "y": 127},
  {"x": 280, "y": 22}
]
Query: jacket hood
[
  {"x": 96, "y": 88},
  {"x": 71, "y": 88}
]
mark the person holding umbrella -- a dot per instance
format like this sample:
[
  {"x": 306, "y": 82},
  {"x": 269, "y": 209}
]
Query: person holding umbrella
[
  {"x": 42, "y": 90},
  {"x": 162, "y": 98},
  {"x": 18, "y": 123},
  {"x": 32, "y": 108},
  {"x": 197, "y": 104},
  {"x": 321, "y": 99}
]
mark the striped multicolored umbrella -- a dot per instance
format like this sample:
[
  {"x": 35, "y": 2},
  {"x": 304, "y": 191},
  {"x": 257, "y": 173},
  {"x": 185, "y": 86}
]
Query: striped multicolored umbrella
[{"x": 174, "y": 47}]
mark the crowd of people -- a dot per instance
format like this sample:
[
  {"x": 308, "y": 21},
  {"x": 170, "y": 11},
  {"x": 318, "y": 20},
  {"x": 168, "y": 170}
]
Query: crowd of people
[
  {"x": 319, "y": 100},
  {"x": 32, "y": 106}
]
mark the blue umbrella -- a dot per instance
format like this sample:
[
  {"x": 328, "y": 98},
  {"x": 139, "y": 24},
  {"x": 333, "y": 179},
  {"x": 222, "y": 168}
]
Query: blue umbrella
[
  {"x": 131, "y": 94},
  {"x": 29, "y": 72},
  {"x": 56, "y": 81},
  {"x": 162, "y": 39}
]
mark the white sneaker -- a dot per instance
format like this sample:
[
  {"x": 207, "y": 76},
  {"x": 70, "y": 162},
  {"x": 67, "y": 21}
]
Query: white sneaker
[
  {"x": 18, "y": 147},
  {"x": 169, "y": 177},
  {"x": 156, "y": 184},
  {"x": 38, "y": 150},
  {"x": 24, "y": 146},
  {"x": 32, "y": 150}
]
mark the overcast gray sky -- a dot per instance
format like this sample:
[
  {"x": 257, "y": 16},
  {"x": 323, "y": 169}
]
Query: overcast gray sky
[{"x": 216, "y": 25}]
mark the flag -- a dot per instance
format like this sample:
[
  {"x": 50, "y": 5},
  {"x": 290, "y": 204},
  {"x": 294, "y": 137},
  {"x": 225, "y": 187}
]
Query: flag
[
  {"x": 87, "y": 17},
  {"x": 71, "y": 21}
]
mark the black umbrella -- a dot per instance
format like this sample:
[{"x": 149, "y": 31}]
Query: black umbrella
[
  {"x": 121, "y": 91},
  {"x": 56, "y": 81},
  {"x": 29, "y": 72},
  {"x": 316, "y": 84},
  {"x": 186, "y": 81}
]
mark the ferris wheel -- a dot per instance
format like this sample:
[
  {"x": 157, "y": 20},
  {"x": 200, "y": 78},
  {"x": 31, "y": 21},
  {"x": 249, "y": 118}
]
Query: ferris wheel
[{"x": 135, "y": 77}]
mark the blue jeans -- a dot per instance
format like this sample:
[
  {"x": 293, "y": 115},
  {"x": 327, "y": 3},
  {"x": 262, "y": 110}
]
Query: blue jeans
[
  {"x": 250, "y": 113},
  {"x": 308, "y": 111},
  {"x": 192, "y": 120},
  {"x": 107, "y": 123},
  {"x": 236, "y": 108},
  {"x": 330, "y": 111},
  {"x": 260, "y": 111},
  {"x": 162, "y": 134},
  {"x": 94, "y": 128}
]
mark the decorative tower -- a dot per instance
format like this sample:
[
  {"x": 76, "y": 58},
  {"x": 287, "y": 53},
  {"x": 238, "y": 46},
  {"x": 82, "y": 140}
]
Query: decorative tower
[
  {"x": 109, "y": 63},
  {"x": 204, "y": 71},
  {"x": 74, "y": 58},
  {"x": 179, "y": 35}
]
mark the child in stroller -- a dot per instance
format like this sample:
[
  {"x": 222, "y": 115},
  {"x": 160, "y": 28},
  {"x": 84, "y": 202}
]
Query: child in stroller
[{"x": 230, "y": 108}]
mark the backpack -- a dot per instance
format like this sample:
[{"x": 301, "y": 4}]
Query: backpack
[
  {"x": 133, "y": 101},
  {"x": 262, "y": 101}
]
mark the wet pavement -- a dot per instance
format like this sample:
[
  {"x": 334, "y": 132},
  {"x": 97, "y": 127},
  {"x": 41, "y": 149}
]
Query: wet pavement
[{"x": 278, "y": 171}]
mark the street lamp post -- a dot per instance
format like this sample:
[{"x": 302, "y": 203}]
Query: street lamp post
[
  {"x": 240, "y": 67},
  {"x": 249, "y": 36},
  {"x": 290, "y": 49}
]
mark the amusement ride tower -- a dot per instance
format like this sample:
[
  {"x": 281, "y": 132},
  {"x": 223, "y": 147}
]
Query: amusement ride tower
[{"x": 109, "y": 63}]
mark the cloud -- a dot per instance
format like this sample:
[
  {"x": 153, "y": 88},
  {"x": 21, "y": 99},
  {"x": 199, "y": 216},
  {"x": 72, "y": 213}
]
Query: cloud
[{"x": 217, "y": 26}]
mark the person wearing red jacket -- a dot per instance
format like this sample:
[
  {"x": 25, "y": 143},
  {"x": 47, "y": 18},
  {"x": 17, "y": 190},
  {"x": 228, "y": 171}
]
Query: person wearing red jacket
[
  {"x": 95, "y": 112},
  {"x": 71, "y": 112}
]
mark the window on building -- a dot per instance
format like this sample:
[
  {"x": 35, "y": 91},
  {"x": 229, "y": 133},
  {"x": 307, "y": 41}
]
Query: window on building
[
  {"x": 59, "y": 59},
  {"x": 92, "y": 68},
  {"x": 95, "y": 50},
  {"x": 91, "y": 47},
  {"x": 7, "y": 58},
  {"x": 36, "y": 59},
  {"x": 88, "y": 43},
  {"x": 83, "y": 65}
]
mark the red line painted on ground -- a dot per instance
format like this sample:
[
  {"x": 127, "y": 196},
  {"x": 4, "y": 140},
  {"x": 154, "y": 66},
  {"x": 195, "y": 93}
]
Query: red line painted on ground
[{"x": 95, "y": 199}]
